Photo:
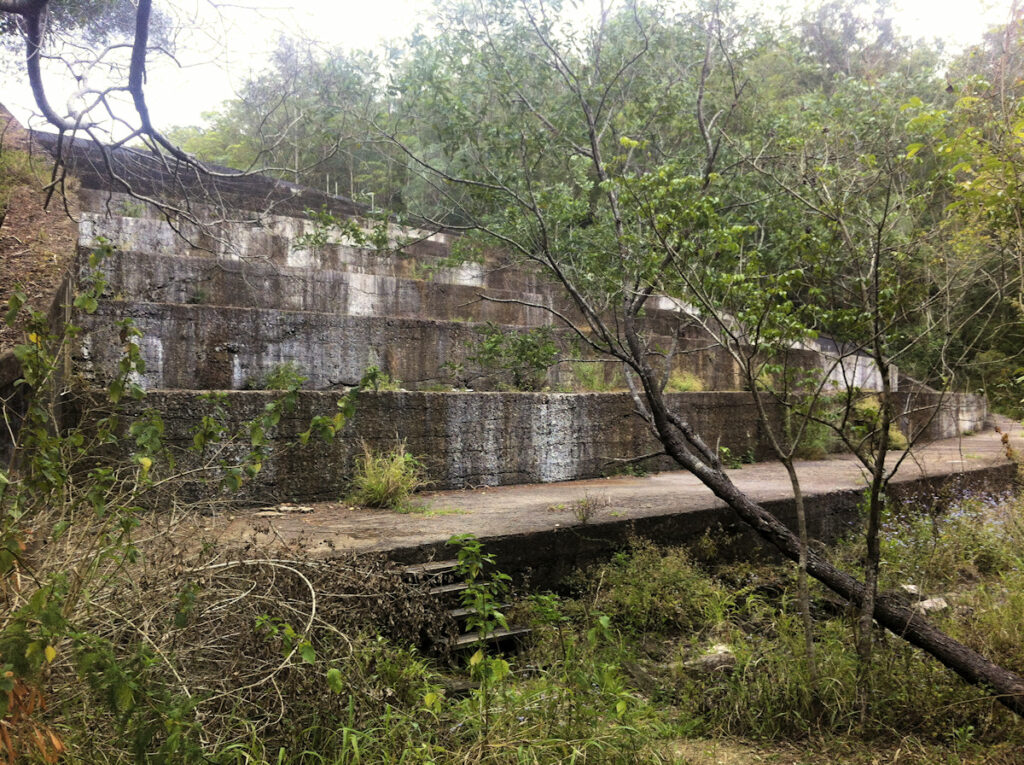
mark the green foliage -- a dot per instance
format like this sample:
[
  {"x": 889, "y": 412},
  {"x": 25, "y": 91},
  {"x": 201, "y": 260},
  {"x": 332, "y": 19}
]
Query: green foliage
[
  {"x": 386, "y": 479},
  {"x": 863, "y": 425},
  {"x": 328, "y": 229},
  {"x": 485, "y": 589},
  {"x": 525, "y": 356},
  {"x": 374, "y": 378},
  {"x": 287, "y": 375},
  {"x": 72, "y": 501},
  {"x": 62, "y": 488},
  {"x": 291, "y": 115},
  {"x": 276, "y": 630},
  {"x": 681, "y": 381},
  {"x": 728, "y": 459},
  {"x": 818, "y": 440}
]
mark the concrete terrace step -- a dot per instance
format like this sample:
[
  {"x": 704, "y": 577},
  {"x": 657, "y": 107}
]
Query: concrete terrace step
[
  {"x": 225, "y": 348},
  {"x": 486, "y": 439},
  {"x": 228, "y": 348},
  {"x": 273, "y": 243},
  {"x": 151, "y": 278}
]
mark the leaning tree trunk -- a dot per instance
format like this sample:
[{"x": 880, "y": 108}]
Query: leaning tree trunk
[
  {"x": 682, "y": 444},
  {"x": 889, "y": 611}
]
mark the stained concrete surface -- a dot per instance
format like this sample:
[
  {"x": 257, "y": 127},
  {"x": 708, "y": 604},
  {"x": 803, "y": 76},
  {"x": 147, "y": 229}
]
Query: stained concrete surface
[{"x": 535, "y": 526}]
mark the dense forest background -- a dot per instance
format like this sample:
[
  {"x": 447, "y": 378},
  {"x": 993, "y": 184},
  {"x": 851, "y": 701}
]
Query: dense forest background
[{"x": 806, "y": 145}]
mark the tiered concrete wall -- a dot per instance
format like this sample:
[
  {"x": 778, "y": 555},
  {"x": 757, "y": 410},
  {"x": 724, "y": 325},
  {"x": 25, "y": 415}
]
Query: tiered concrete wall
[{"x": 220, "y": 305}]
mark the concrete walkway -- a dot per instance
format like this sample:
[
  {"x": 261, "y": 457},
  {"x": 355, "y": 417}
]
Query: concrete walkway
[{"x": 542, "y": 514}]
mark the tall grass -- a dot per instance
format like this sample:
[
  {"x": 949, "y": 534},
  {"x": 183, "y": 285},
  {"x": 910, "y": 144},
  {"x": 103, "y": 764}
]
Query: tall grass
[
  {"x": 387, "y": 479},
  {"x": 610, "y": 677}
]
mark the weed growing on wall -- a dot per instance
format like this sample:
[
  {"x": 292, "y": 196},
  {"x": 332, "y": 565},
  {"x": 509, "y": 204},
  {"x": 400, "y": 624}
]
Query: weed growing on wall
[
  {"x": 683, "y": 382},
  {"x": 590, "y": 376},
  {"x": 283, "y": 376},
  {"x": 329, "y": 230},
  {"x": 524, "y": 357}
]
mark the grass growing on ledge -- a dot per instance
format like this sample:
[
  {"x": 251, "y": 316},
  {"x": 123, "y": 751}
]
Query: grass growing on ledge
[
  {"x": 681, "y": 381},
  {"x": 590, "y": 377},
  {"x": 387, "y": 479}
]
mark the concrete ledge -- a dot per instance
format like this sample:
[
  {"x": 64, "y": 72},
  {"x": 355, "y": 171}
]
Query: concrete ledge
[
  {"x": 271, "y": 243},
  {"x": 219, "y": 347},
  {"x": 549, "y": 556},
  {"x": 463, "y": 439}
]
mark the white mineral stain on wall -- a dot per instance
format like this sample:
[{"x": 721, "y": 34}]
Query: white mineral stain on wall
[
  {"x": 151, "y": 348},
  {"x": 472, "y": 440},
  {"x": 551, "y": 436},
  {"x": 469, "y": 274},
  {"x": 87, "y": 230},
  {"x": 299, "y": 257},
  {"x": 237, "y": 373},
  {"x": 854, "y": 371},
  {"x": 363, "y": 295}
]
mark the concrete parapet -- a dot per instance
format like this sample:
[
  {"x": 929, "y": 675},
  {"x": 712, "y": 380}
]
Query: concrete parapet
[{"x": 464, "y": 439}]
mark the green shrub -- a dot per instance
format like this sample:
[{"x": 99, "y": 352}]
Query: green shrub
[
  {"x": 651, "y": 590},
  {"x": 524, "y": 356},
  {"x": 387, "y": 479},
  {"x": 590, "y": 377},
  {"x": 681, "y": 381},
  {"x": 380, "y": 381},
  {"x": 817, "y": 441},
  {"x": 864, "y": 421},
  {"x": 286, "y": 375}
]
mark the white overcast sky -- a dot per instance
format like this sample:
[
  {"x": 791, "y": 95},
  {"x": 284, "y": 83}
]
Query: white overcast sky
[{"x": 227, "y": 45}]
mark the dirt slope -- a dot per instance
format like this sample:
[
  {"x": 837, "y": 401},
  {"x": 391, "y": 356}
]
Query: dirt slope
[{"x": 35, "y": 243}]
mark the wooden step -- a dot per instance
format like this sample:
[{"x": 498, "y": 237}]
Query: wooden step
[
  {"x": 458, "y": 614},
  {"x": 430, "y": 568},
  {"x": 448, "y": 589},
  {"x": 470, "y": 639}
]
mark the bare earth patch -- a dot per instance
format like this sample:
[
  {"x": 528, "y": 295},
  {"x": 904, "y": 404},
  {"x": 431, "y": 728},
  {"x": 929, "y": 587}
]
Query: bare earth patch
[{"x": 35, "y": 243}]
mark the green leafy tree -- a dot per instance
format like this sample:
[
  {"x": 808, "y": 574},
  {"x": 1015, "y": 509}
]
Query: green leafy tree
[{"x": 546, "y": 161}]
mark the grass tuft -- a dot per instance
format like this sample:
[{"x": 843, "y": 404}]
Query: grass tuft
[{"x": 387, "y": 479}]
